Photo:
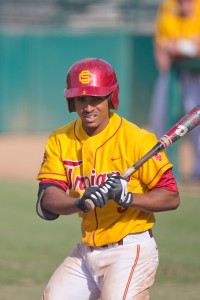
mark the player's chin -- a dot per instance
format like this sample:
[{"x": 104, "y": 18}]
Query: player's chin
[{"x": 90, "y": 125}]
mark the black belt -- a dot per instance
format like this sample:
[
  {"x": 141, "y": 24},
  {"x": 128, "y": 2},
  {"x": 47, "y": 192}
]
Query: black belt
[{"x": 120, "y": 242}]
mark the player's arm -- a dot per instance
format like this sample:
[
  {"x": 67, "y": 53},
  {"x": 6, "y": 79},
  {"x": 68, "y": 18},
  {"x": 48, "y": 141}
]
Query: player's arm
[
  {"x": 53, "y": 200},
  {"x": 56, "y": 200},
  {"x": 162, "y": 58},
  {"x": 163, "y": 196},
  {"x": 156, "y": 200}
]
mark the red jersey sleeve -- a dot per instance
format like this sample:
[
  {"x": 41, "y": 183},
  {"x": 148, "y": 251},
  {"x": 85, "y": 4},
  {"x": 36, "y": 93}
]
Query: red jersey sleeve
[
  {"x": 62, "y": 184},
  {"x": 167, "y": 182}
]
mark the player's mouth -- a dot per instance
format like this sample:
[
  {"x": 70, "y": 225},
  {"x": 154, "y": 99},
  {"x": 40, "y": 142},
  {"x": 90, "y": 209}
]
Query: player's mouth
[{"x": 90, "y": 117}]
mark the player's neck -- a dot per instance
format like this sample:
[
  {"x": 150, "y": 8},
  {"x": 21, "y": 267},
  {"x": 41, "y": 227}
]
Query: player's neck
[{"x": 94, "y": 130}]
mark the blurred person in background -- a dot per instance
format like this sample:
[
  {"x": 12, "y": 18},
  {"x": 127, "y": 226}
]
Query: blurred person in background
[{"x": 176, "y": 37}]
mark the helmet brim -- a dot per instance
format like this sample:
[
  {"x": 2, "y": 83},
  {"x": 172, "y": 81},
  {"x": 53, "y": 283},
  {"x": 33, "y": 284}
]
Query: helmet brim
[{"x": 89, "y": 91}]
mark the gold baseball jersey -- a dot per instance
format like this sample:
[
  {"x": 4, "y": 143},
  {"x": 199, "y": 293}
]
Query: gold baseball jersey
[
  {"x": 168, "y": 25},
  {"x": 82, "y": 161}
]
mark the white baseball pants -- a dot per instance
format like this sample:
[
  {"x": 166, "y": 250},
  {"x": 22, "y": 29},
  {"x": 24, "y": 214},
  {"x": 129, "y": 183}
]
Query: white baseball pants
[{"x": 114, "y": 272}]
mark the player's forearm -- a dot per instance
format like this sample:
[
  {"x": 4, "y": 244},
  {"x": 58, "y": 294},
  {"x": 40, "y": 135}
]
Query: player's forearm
[
  {"x": 162, "y": 58},
  {"x": 156, "y": 200},
  {"x": 57, "y": 201}
]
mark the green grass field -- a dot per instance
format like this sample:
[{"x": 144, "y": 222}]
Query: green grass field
[{"x": 31, "y": 248}]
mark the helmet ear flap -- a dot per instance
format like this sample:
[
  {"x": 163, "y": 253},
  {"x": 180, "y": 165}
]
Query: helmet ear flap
[
  {"x": 110, "y": 105},
  {"x": 71, "y": 105},
  {"x": 114, "y": 99}
]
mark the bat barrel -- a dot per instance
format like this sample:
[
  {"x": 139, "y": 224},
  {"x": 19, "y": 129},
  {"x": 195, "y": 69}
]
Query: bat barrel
[{"x": 182, "y": 127}]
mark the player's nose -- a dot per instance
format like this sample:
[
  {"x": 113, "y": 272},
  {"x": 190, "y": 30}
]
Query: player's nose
[{"x": 88, "y": 105}]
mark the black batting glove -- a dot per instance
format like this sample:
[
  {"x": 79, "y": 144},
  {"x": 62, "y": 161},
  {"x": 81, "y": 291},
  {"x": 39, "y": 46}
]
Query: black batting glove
[
  {"x": 99, "y": 195},
  {"x": 118, "y": 190}
]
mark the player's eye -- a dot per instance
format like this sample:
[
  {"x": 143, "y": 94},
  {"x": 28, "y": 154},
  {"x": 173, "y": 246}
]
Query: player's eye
[
  {"x": 100, "y": 99},
  {"x": 78, "y": 99}
]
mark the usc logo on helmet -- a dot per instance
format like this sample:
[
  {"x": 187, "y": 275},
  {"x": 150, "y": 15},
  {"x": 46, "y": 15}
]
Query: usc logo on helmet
[{"x": 85, "y": 77}]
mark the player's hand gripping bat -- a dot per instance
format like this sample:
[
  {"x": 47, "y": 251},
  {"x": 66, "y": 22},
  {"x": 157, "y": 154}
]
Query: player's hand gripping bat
[{"x": 181, "y": 128}]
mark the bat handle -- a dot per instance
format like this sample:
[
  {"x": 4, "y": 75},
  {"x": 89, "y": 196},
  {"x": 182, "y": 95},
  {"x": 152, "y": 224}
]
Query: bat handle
[
  {"x": 90, "y": 204},
  {"x": 129, "y": 172}
]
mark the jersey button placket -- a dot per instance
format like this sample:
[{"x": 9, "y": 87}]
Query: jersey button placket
[{"x": 88, "y": 160}]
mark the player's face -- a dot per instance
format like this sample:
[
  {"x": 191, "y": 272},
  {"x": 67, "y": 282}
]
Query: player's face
[
  {"x": 94, "y": 113},
  {"x": 186, "y": 7}
]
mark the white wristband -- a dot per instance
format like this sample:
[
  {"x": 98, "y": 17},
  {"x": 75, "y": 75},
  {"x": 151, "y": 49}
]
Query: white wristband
[{"x": 187, "y": 47}]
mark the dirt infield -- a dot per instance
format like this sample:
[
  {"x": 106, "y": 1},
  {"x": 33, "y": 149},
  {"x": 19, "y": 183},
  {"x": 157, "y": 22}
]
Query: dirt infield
[{"x": 21, "y": 156}]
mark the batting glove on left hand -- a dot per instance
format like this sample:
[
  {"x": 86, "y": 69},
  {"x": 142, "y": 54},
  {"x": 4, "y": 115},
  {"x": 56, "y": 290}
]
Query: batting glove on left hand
[
  {"x": 99, "y": 195},
  {"x": 118, "y": 190}
]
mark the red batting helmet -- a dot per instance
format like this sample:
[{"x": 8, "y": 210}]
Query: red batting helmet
[{"x": 91, "y": 77}]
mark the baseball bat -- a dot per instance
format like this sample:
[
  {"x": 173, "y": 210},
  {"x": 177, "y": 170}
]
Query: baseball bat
[{"x": 181, "y": 128}]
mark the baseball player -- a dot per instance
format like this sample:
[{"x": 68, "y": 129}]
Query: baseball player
[{"x": 117, "y": 257}]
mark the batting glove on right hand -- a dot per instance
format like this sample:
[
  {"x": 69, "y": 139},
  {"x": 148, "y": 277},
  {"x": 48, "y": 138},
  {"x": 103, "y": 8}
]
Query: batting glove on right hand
[
  {"x": 99, "y": 195},
  {"x": 118, "y": 190}
]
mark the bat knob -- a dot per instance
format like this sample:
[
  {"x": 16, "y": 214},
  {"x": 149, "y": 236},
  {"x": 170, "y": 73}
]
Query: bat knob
[{"x": 90, "y": 204}]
